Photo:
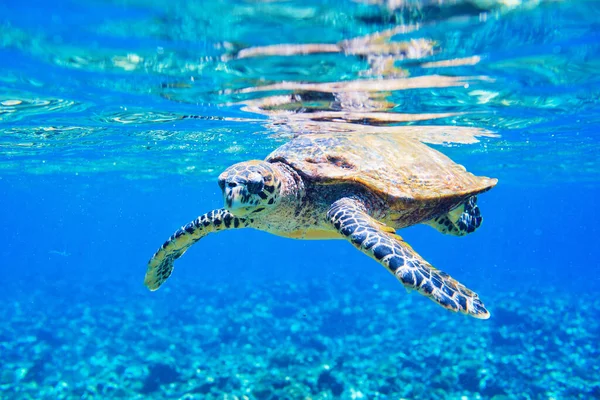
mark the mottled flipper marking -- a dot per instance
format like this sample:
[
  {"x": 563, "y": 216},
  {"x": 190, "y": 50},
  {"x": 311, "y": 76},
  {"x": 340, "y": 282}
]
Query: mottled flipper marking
[
  {"x": 463, "y": 220},
  {"x": 160, "y": 265},
  {"x": 349, "y": 216},
  {"x": 444, "y": 225},
  {"x": 470, "y": 218}
]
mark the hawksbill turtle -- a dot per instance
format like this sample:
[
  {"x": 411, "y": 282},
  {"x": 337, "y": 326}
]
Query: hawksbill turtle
[{"x": 359, "y": 187}]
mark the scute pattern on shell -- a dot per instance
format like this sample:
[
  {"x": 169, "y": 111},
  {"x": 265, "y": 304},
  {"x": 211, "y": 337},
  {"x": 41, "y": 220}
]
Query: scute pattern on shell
[{"x": 398, "y": 169}]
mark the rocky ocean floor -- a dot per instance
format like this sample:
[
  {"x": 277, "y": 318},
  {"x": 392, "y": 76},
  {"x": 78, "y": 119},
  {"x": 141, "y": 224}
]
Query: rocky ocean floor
[{"x": 285, "y": 340}]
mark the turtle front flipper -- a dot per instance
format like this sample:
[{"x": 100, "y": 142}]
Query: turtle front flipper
[
  {"x": 349, "y": 216},
  {"x": 160, "y": 265}
]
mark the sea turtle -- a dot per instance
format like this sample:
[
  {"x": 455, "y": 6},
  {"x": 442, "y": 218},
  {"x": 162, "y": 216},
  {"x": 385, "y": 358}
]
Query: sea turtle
[{"x": 360, "y": 187}]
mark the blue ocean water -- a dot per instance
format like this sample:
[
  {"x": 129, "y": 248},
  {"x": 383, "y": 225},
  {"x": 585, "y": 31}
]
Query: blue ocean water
[{"x": 116, "y": 116}]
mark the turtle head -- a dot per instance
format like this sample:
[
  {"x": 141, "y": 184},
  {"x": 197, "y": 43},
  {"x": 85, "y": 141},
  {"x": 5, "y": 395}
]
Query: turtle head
[{"x": 250, "y": 187}]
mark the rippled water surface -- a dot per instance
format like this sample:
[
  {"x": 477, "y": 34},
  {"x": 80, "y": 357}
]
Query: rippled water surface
[
  {"x": 116, "y": 116},
  {"x": 183, "y": 87}
]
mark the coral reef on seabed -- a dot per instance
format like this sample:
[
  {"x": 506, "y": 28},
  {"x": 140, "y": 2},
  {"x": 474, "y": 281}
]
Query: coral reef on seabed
[{"x": 292, "y": 340}]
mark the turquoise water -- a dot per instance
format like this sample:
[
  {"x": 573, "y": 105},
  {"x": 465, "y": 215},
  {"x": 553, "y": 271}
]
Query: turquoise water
[{"x": 116, "y": 118}]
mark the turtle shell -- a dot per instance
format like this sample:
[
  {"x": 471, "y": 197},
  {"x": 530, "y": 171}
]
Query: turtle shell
[{"x": 398, "y": 169}]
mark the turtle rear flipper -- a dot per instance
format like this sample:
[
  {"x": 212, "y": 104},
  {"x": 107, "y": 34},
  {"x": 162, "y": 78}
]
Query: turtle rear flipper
[
  {"x": 350, "y": 218},
  {"x": 461, "y": 221},
  {"x": 160, "y": 266}
]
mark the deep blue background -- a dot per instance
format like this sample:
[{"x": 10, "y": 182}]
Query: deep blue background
[{"x": 107, "y": 227}]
